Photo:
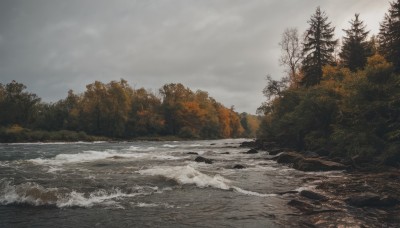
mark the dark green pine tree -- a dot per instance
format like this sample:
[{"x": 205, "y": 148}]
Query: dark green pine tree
[
  {"x": 356, "y": 49},
  {"x": 389, "y": 35},
  {"x": 319, "y": 46}
]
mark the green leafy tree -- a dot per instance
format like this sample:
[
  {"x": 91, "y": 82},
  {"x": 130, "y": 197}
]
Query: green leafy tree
[
  {"x": 17, "y": 106},
  {"x": 319, "y": 46},
  {"x": 355, "y": 49}
]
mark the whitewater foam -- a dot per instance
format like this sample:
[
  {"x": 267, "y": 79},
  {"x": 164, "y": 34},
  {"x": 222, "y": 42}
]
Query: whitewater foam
[
  {"x": 189, "y": 175},
  {"x": 88, "y": 156},
  {"x": 170, "y": 146},
  {"x": 36, "y": 195}
]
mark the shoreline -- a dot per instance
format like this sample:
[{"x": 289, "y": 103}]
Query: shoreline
[{"x": 361, "y": 197}]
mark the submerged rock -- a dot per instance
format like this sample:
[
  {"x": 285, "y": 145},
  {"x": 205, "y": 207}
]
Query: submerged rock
[
  {"x": 302, "y": 206},
  {"x": 369, "y": 199},
  {"x": 288, "y": 157},
  {"x": 317, "y": 164},
  {"x": 193, "y": 153},
  {"x": 239, "y": 166},
  {"x": 275, "y": 151},
  {"x": 248, "y": 144},
  {"x": 313, "y": 195},
  {"x": 252, "y": 151},
  {"x": 202, "y": 159}
]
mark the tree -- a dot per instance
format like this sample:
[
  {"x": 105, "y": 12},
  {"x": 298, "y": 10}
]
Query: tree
[
  {"x": 145, "y": 117},
  {"x": 272, "y": 90},
  {"x": 355, "y": 49},
  {"x": 389, "y": 35},
  {"x": 318, "y": 48},
  {"x": 291, "y": 53},
  {"x": 174, "y": 95},
  {"x": 16, "y": 105}
]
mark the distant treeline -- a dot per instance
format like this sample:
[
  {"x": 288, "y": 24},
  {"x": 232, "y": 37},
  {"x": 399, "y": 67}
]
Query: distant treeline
[
  {"x": 116, "y": 110},
  {"x": 339, "y": 101}
]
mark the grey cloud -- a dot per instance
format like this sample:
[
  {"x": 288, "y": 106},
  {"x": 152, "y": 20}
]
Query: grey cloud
[{"x": 225, "y": 47}]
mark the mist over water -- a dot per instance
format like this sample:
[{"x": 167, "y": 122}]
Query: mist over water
[{"x": 142, "y": 184}]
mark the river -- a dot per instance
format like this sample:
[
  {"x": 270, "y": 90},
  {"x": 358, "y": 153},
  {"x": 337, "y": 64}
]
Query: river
[{"x": 144, "y": 184}]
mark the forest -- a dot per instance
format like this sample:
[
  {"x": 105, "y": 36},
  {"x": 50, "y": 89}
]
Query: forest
[
  {"x": 341, "y": 101},
  {"x": 117, "y": 111}
]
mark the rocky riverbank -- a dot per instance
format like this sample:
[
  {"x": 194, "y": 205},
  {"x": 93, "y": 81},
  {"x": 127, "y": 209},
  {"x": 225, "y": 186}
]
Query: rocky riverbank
[{"x": 359, "y": 198}]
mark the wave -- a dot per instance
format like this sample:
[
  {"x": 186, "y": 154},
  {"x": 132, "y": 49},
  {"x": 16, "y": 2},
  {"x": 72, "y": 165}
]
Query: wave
[
  {"x": 36, "y": 195},
  {"x": 57, "y": 143},
  {"x": 88, "y": 156},
  {"x": 170, "y": 146},
  {"x": 189, "y": 175}
]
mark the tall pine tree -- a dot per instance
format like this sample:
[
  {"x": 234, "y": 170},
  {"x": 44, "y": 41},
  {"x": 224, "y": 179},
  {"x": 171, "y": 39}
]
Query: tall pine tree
[
  {"x": 356, "y": 49},
  {"x": 389, "y": 35},
  {"x": 319, "y": 46}
]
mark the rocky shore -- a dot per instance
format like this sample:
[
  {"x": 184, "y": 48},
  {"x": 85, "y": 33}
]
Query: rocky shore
[{"x": 361, "y": 197}]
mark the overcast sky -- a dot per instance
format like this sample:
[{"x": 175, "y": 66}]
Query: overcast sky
[{"x": 224, "y": 47}]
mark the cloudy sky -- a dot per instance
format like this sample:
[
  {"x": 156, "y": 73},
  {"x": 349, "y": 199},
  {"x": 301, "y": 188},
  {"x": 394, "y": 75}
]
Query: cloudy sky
[{"x": 225, "y": 47}]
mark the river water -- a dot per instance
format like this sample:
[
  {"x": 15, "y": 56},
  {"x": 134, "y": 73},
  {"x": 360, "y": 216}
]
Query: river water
[{"x": 143, "y": 184}]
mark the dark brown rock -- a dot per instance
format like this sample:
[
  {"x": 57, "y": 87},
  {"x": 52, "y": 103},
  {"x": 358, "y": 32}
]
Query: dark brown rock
[
  {"x": 289, "y": 157},
  {"x": 239, "y": 166},
  {"x": 313, "y": 195},
  {"x": 302, "y": 206},
  {"x": 369, "y": 199},
  {"x": 202, "y": 159},
  {"x": 193, "y": 153},
  {"x": 317, "y": 164},
  {"x": 250, "y": 144},
  {"x": 275, "y": 151},
  {"x": 252, "y": 151},
  {"x": 363, "y": 199}
]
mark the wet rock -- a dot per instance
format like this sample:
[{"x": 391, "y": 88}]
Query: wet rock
[
  {"x": 275, "y": 151},
  {"x": 369, "y": 199},
  {"x": 225, "y": 153},
  {"x": 317, "y": 164},
  {"x": 288, "y": 157},
  {"x": 313, "y": 195},
  {"x": 237, "y": 166},
  {"x": 310, "y": 154},
  {"x": 213, "y": 144},
  {"x": 363, "y": 199},
  {"x": 250, "y": 144},
  {"x": 252, "y": 151},
  {"x": 202, "y": 159},
  {"x": 193, "y": 153},
  {"x": 302, "y": 206}
]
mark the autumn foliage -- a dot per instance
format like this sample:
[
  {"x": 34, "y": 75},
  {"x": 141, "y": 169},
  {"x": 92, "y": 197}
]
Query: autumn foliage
[{"x": 116, "y": 110}]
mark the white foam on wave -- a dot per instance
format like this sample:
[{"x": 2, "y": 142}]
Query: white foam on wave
[
  {"x": 36, "y": 195},
  {"x": 57, "y": 143},
  {"x": 170, "y": 146},
  {"x": 250, "y": 193},
  {"x": 189, "y": 175},
  {"x": 194, "y": 145},
  {"x": 88, "y": 156},
  {"x": 165, "y": 205}
]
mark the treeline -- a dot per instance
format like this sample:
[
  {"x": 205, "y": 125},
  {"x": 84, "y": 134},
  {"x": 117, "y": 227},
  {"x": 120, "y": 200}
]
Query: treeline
[
  {"x": 339, "y": 101},
  {"x": 116, "y": 110}
]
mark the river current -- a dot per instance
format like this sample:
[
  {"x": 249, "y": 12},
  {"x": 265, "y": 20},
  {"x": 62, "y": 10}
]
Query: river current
[{"x": 143, "y": 184}]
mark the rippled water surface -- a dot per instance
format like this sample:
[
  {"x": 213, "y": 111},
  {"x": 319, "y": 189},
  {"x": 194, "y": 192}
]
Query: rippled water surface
[{"x": 142, "y": 184}]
